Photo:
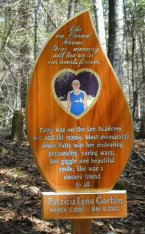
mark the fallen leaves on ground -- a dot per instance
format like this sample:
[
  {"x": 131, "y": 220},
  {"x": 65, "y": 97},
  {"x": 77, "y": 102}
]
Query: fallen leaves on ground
[{"x": 21, "y": 186}]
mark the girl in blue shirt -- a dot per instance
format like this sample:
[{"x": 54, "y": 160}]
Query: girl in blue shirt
[{"x": 76, "y": 99}]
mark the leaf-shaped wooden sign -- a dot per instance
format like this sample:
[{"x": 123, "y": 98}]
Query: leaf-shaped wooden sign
[{"x": 79, "y": 123}]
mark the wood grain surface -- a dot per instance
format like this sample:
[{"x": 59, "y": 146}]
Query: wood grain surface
[
  {"x": 111, "y": 204},
  {"x": 104, "y": 128}
]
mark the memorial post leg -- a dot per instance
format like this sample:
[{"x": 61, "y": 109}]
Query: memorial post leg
[{"x": 81, "y": 226}]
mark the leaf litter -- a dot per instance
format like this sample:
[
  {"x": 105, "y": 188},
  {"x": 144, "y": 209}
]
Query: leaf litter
[{"x": 21, "y": 186}]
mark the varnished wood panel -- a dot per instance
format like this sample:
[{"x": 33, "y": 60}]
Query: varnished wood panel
[
  {"x": 103, "y": 131},
  {"x": 84, "y": 205}
]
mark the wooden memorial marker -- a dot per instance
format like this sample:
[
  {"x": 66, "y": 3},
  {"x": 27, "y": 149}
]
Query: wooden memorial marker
[
  {"x": 79, "y": 123},
  {"x": 84, "y": 205}
]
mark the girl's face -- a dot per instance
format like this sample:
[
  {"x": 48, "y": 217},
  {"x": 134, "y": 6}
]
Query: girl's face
[{"x": 76, "y": 85}]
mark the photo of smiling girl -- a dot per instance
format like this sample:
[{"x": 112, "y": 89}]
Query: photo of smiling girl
[{"x": 76, "y": 99}]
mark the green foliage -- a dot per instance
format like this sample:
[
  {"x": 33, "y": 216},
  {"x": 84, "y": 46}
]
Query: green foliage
[
  {"x": 19, "y": 33},
  {"x": 135, "y": 11}
]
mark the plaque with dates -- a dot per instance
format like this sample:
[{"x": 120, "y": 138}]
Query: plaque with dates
[{"x": 84, "y": 205}]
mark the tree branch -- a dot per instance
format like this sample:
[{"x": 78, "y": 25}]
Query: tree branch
[
  {"x": 8, "y": 33},
  {"x": 54, "y": 25}
]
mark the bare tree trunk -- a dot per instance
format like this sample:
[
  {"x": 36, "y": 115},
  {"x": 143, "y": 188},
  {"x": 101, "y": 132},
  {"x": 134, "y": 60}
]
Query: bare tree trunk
[
  {"x": 36, "y": 29},
  {"x": 116, "y": 35},
  {"x": 71, "y": 8},
  {"x": 23, "y": 70},
  {"x": 133, "y": 80},
  {"x": 142, "y": 128},
  {"x": 17, "y": 131},
  {"x": 141, "y": 43},
  {"x": 99, "y": 21}
]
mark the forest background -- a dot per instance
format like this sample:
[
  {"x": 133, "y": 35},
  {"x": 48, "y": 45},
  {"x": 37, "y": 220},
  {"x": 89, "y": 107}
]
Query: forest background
[{"x": 25, "y": 26}]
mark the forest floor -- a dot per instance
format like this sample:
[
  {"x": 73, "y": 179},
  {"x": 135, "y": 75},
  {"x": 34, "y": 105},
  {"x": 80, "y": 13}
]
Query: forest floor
[{"x": 21, "y": 186}]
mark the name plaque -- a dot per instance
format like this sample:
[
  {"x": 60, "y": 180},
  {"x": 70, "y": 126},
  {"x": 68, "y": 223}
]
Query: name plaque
[
  {"x": 78, "y": 121},
  {"x": 84, "y": 205}
]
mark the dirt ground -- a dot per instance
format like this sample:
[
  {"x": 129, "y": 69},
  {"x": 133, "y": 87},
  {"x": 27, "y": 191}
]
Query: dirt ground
[{"x": 21, "y": 186}]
